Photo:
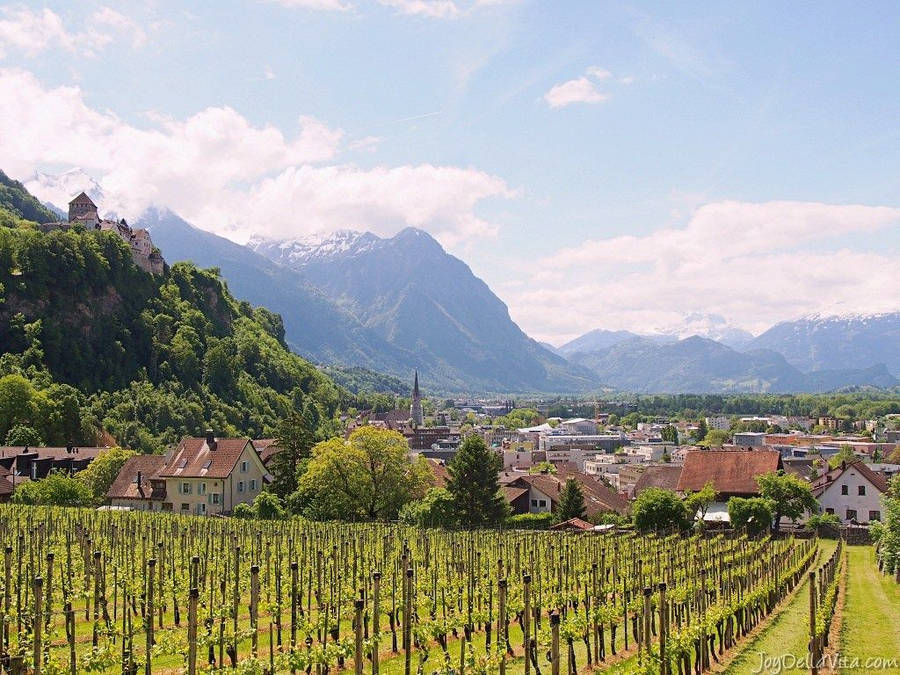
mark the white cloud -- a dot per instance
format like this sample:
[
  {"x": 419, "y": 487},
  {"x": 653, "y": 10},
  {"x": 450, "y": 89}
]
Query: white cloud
[
  {"x": 752, "y": 263},
  {"x": 598, "y": 72},
  {"x": 222, "y": 173},
  {"x": 268, "y": 73},
  {"x": 437, "y": 9},
  {"x": 31, "y": 32},
  {"x": 328, "y": 5},
  {"x": 579, "y": 90},
  {"x": 121, "y": 24}
]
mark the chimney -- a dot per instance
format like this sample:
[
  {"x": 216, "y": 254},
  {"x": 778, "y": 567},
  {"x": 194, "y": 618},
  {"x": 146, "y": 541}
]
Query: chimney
[
  {"x": 210, "y": 439},
  {"x": 69, "y": 448},
  {"x": 140, "y": 487}
]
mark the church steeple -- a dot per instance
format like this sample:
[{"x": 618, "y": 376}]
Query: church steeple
[{"x": 416, "y": 413}]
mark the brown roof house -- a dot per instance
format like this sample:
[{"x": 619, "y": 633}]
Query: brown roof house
[
  {"x": 201, "y": 476},
  {"x": 851, "y": 491},
  {"x": 544, "y": 490},
  {"x": 733, "y": 473},
  {"x": 665, "y": 476}
]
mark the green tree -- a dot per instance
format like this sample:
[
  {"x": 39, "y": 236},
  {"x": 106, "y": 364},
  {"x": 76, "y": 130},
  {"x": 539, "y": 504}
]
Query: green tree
[
  {"x": 435, "y": 509},
  {"x": 716, "y": 438},
  {"x": 100, "y": 474},
  {"x": 17, "y": 403},
  {"x": 56, "y": 489},
  {"x": 657, "y": 509},
  {"x": 790, "y": 496},
  {"x": 753, "y": 514},
  {"x": 669, "y": 434},
  {"x": 295, "y": 438},
  {"x": 368, "y": 477},
  {"x": 845, "y": 454},
  {"x": 267, "y": 506},
  {"x": 474, "y": 484},
  {"x": 702, "y": 430},
  {"x": 571, "y": 501},
  {"x": 22, "y": 434},
  {"x": 697, "y": 503}
]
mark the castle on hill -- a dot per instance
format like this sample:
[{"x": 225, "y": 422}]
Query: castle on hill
[{"x": 83, "y": 211}]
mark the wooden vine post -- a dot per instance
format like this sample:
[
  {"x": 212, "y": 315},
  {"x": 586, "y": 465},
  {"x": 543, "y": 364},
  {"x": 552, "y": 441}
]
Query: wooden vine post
[
  {"x": 526, "y": 622},
  {"x": 501, "y": 624},
  {"x": 254, "y": 609},
  {"x": 148, "y": 617},
  {"x": 38, "y": 620},
  {"x": 407, "y": 621},
  {"x": 554, "y": 642},
  {"x": 358, "y": 604},
  {"x": 376, "y": 620},
  {"x": 192, "y": 631},
  {"x": 663, "y": 629},
  {"x": 813, "y": 643}
]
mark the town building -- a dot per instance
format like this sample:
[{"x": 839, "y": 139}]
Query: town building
[
  {"x": 852, "y": 492},
  {"x": 733, "y": 473},
  {"x": 540, "y": 493},
  {"x": 201, "y": 476}
]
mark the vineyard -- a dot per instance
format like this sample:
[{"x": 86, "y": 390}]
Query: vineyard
[{"x": 86, "y": 591}]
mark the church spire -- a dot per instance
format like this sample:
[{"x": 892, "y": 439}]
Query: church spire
[{"x": 416, "y": 412}]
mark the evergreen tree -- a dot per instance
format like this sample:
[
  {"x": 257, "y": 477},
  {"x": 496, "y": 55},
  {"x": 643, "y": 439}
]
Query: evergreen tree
[
  {"x": 295, "y": 437},
  {"x": 474, "y": 484},
  {"x": 571, "y": 501}
]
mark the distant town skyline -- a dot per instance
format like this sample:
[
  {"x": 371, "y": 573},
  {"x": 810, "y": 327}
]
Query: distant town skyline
[{"x": 599, "y": 165}]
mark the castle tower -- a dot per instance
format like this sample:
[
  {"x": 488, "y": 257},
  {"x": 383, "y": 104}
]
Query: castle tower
[
  {"x": 82, "y": 208},
  {"x": 416, "y": 414}
]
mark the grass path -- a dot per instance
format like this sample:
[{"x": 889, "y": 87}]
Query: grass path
[
  {"x": 871, "y": 618},
  {"x": 786, "y": 638}
]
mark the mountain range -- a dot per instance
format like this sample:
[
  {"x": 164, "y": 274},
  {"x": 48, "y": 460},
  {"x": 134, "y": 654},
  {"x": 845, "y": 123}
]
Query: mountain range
[
  {"x": 354, "y": 299},
  {"x": 391, "y": 305}
]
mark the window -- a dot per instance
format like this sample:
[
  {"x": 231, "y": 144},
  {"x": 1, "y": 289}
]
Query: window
[
  {"x": 202, "y": 507},
  {"x": 215, "y": 497},
  {"x": 844, "y": 490},
  {"x": 252, "y": 484},
  {"x": 244, "y": 466},
  {"x": 874, "y": 515},
  {"x": 829, "y": 510},
  {"x": 851, "y": 514},
  {"x": 240, "y": 486},
  {"x": 202, "y": 490},
  {"x": 185, "y": 488},
  {"x": 862, "y": 490},
  {"x": 534, "y": 502},
  {"x": 542, "y": 502},
  {"x": 185, "y": 507}
]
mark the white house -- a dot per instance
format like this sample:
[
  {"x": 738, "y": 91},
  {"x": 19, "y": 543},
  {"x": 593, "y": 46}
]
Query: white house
[{"x": 852, "y": 492}]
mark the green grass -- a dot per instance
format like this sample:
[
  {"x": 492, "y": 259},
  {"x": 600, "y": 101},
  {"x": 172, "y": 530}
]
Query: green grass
[
  {"x": 871, "y": 614},
  {"x": 786, "y": 638}
]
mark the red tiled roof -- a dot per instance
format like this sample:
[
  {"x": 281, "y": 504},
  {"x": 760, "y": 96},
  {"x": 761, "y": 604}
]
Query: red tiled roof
[
  {"x": 573, "y": 524},
  {"x": 597, "y": 497},
  {"x": 194, "y": 459},
  {"x": 55, "y": 453},
  {"x": 267, "y": 448},
  {"x": 821, "y": 483},
  {"x": 730, "y": 471},
  {"x": 125, "y": 485},
  {"x": 511, "y": 494},
  {"x": 665, "y": 477},
  {"x": 6, "y": 488}
]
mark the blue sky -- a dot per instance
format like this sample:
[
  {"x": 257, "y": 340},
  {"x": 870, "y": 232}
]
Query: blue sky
[{"x": 599, "y": 164}]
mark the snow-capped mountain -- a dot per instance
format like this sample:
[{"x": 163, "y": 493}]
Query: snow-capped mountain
[
  {"x": 302, "y": 250},
  {"x": 713, "y": 327},
  {"x": 838, "y": 341},
  {"x": 56, "y": 190}
]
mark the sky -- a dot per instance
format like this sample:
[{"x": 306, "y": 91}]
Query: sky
[{"x": 644, "y": 166}]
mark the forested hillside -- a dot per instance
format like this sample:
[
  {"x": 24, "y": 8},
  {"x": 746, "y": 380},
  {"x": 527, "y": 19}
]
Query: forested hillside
[{"x": 91, "y": 343}]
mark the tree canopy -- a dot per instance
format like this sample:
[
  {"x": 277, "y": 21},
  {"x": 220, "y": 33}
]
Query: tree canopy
[
  {"x": 370, "y": 476},
  {"x": 474, "y": 484}
]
